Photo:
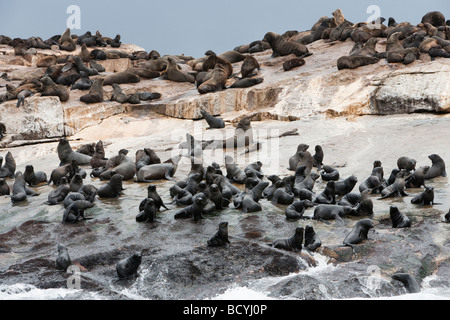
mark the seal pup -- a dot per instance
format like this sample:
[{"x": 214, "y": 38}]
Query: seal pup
[
  {"x": 359, "y": 233},
  {"x": 112, "y": 189},
  {"x": 312, "y": 241},
  {"x": 66, "y": 154},
  {"x": 293, "y": 63},
  {"x": 9, "y": 168},
  {"x": 249, "y": 204},
  {"x": 34, "y": 178},
  {"x": 365, "y": 206},
  {"x": 353, "y": 62},
  {"x": 76, "y": 183},
  {"x": 398, "y": 219},
  {"x": 234, "y": 173},
  {"x": 181, "y": 196},
  {"x": 147, "y": 211},
  {"x": 318, "y": 157},
  {"x": 63, "y": 260},
  {"x": 95, "y": 94},
  {"x": 437, "y": 169},
  {"x": 296, "y": 210},
  {"x": 408, "y": 281},
  {"x": 213, "y": 122},
  {"x": 294, "y": 243},
  {"x": 50, "y": 88},
  {"x": 128, "y": 267},
  {"x": 426, "y": 198},
  {"x": 220, "y": 239}
]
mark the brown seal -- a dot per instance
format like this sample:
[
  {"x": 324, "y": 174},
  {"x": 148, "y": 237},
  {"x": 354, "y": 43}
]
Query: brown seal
[
  {"x": 66, "y": 42},
  {"x": 217, "y": 78},
  {"x": 282, "y": 47},
  {"x": 434, "y": 18},
  {"x": 353, "y": 62},
  {"x": 249, "y": 65},
  {"x": 173, "y": 73},
  {"x": 121, "y": 78},
  {"x": 49, "y": 88},
  {"x": 293, "y": 63},
  {"x": 95, "y": 94}
]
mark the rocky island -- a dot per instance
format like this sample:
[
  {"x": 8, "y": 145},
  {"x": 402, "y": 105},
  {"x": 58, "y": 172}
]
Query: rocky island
[{"x": 367, "y": 94}]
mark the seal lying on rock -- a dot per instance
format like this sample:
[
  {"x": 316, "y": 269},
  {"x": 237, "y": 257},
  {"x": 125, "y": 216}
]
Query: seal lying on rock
[{"x": 283, "y": 47}]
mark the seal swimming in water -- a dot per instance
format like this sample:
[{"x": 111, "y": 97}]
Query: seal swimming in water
[
  {"x": 359, "y": 233},
  {"x": 294, "y": 243},
  {"x": 220, "y": 239},
  {"x": 66, "y": 154},
  {"x": 63, "y": 260},
  {"x": 408, "y": 281},
  {"x": 128, "y": 267},
  {"x": 399, "y": 220}
]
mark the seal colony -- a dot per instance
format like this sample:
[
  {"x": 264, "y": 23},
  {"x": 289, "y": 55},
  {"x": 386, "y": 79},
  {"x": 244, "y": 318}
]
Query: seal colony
[{"x": 207, "y": 190}]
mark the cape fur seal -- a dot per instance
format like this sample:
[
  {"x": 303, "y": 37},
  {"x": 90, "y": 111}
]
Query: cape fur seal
[
  {"x": 220, "y": 239},
  {"x": 425, "y": 198},
  {"x": 112, "y": 189},
  {"x": 156, "y": 172},
  {"x": 359, "y": 233},
  {"x": 9, "y": 168},
  {"x": 147, "y": 211},
  {"x": 95, "y": 94},
  {"x": 66, "y": 154},
  {"x": 399, "y": 220},
  {"x": 408, "y": 281},
  {"x": 312, "y": 241},
  {"x": 121, "y": 78},
  {"x": 294, "y": 243},
  {"x": 437, "y": 169},
  {"x": 128, "y": 267},
  {"x": 63, "y": 260},
  {"x": 173, "y": 73},
  {"x": 216, "y": 79},
  {"x": 34, "y": 178},
  {"x": 213, "y": 122},
  {"x": 296, "y": 210},
  {"x": 282, "y": 47}
]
